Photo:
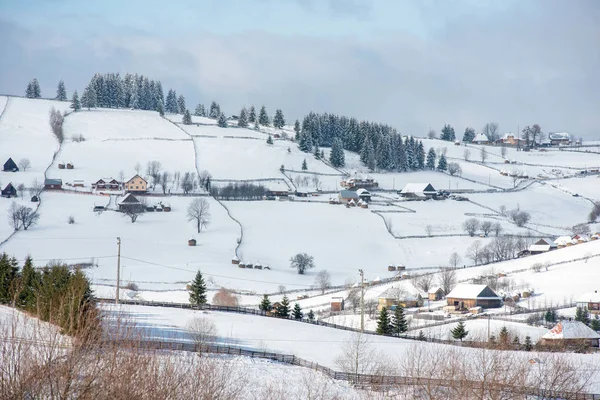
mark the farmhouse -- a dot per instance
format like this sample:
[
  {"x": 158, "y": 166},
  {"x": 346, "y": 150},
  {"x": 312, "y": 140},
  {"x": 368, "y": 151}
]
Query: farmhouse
[
  {"x": 363, "y": 194},
  {"x": 591, "y": 301},
  {"x": 52, "y": 184},
  {"x": 480, "y": 138},
  {"x": 571, "y": 333},
  {"x": 10, "y": 166},
  {"x": 394, "y": 297},
  {"x": 137, "y": 184},
  {"x": 542, "y": 246},
  {"x": 337, "y": 304},
  {"x": 367, "y": 183},
  {"x": 418, "y": 190},
  {"x": 510, "y": 139},
  {"x": 130, "y": 202},
  {"x": 106, "y": 184},
  {"x": 558, "y": 138},
  {"x": 9, "y": 191},
  {"x": 435, "y": 293},
  {"x": 346, "y": 196},
  {"x": 466, "y": 295},
  {"x": 564, "y": 241}
]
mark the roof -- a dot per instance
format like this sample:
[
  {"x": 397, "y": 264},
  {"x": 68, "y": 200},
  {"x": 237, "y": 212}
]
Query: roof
[
  {"x": 480, "y": 137},
  {"x": 435, "y": 289},
  {"x": 539, "y": 247},
  {"x": 129, "y": 199},
  {"x": 559, "y": 136},
  {"x": 508, "y": 135},
  {"x": 397, "y": 293},
  {"x": 471, "y": 291},
  {"x": 418, "y": 188},
  {"x": 591, "y": 297},
  {"x": 48, "y": 181},
  {"x": 348, "y": 194},
  {"x": 137, "y": 176},
  {"x": 546, "y": 241},
  {"x": 9, "y": 187},
  {"x": 563, "y": 240},
  {"x": 362, "y": 192},
  {"x": 571, "y": 330},
  {"x": 10, "y": 163}
]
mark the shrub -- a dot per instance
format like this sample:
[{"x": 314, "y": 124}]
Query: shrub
[{"x": 71, "y": 220}]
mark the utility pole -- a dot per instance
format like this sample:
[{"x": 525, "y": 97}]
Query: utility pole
[
  {"x": 362, "y": 300},
  {"x": 118, "y": 269}
]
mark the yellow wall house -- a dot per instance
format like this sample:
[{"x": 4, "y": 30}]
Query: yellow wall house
[{"x": 136, "y": 184}]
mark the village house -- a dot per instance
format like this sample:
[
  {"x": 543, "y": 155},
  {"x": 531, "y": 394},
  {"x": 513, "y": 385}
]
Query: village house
[
  {"x": 106, "y": 184},
  {"x": 480, "y": 138},
  {"x": 10, "y": 166},
  {"x": 9, "y": 191},
  {"x": 137, "y": 184},
  {"x": 580, "y": 239},
  {"x": 346, "y": 196},
  {"x": 435, "y": 293},
  {"x": 466, "y": 295},
  {"x": 337, "y": 304},
  {"x": 564, "y": 241},
  {"x": 591, "y": 301},
  {"x": 394, "y": 297},
  {"x": 542, "y": 246},
  {"x": 418, "y": 190},
  {"x": 130, "y": 202},
  {"x": 510, "y": 139},
  {"x": 357, "y": 183},
  {"x": 52, "y": 184},
  {"x": 571, "y": 334},
  {"x": 559, "y": 138}
]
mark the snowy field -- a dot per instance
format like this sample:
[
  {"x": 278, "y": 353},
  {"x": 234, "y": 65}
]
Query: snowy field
[
  {"x": 3, "y": 100},
  {"x": 25, "y": 133},
  {"x": 178, "y": 118},
  {"x": 478, "y": 330},
  {"x": 588, "y": 186},
  {"x": 5, "y": 228},
  {"x": 215, "y": 131}
]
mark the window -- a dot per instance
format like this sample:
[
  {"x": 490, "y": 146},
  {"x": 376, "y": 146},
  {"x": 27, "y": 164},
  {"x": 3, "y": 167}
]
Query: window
[{"x": 137, "y": 187}]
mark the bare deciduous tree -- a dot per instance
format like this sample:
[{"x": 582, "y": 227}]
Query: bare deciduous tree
[
  {"x": 165, "y": 181},
  {"x": 301, "y": 262},
  {"x": 188, "y": 182},
  {"x": 360, "y": 357},
  {"x": 36, "y": 188},
  {"x": 454, "y": 168},
  {"x": 429, "y": 230},
  {"x": 225, "y": 297},
  {"x": 21, "y": 190},
  {"x": 137, "y": 168},
  {"x": 491, "y": 131},
  {"x": 199, "y": 212},
  {"x": 24, "y": 164},
  {"x": 486, "y": 227},
  {"x": 497, "y": 228},
  {"x": 474, "y": 251},
  {"x": 483, "y": 155},
  {"x": 581, "y": 229},
  {"x": 447, "y": 279},
  {"x": 153, "y": 171},
  {"x": 22, "y": 216},
  {"x": 471, "y": 226},
  {"x": 202, "y": 331},
  {"x": 323, "y": 281},
  {"x": 515, "y": 176},
  {"x": 503, "y": 151},
  {"x": 466, "y": 154},
  {"x": 424, "y": 282},
  {"x": 134, "y": 211},
  {"x": 454, "y": 260},
  {"x": 431, "y": 134},
  {"x": 56, "y": 123}
]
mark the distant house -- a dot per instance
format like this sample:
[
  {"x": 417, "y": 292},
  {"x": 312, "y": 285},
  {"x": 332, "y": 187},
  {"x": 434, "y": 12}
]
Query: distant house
[
  {"x": 558, "y": 138},
  {"x": 580, "y": 239},
  {"x": 542, "y": 246},
  {"x": 564, "y": 241},
  {"x": 571, "y": 334},
  {"x": 357, "y": 183},
  {"x": 419, "y": 190},
  {"x": 106, "y": 184},
  {"x": 480, "y": 138},
  {"x": 52, "y": 184},
  {"x": 591, "y": 301},
  {"x": 78, "y": 183},
  {"x": 10, "y": 166},
  {"x": 347, "y": 195},
  {"x": 130, "y": 202},
  {"x": 337, "y": 304},
  {"x": 363, "y": 194},
  {"x": 137, "y": 184},
  {"x": 435, "y": 293},
  {"x": 9, "y": 191},
  {"x": 34, "y": 199},
  {"x": 466, "y": 295},
  {"x": 394, "y": 297},
  {"x": 510, "y": 139}
]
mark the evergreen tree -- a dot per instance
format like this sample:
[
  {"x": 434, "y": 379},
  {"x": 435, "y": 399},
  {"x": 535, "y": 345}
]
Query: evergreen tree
[
  {"x": 283, "y": 309},
  {"x": 420, "y": 156},
  {"x": 297, "y": 130},
  {"x": 29, "y": 91},
  {"x": 75, "y": 103},
  {"x": 550, "y": 316},
  {"x": 322, "y": 154},
  {"x": 160, "y": 97},
  {"x": 311, "y": 316},
  {"x": 61, "y": 92},
  {"x": 222, "y": 122},
  {"x": 399, "y": 324},
  {"x": 305, "y": 144},
  {"x": 265, "y": 304},
  {"x": 269, "y": 140},
  {"x": 431, "y": 159},
  {"x": 30, "y": 281},
  {"x": 243, "y": 119},
  {"x": 199, "y": 111},
  {"x": 160, "y": 108},
  {"x": 256, "y": 126},
  {"x": 421, "y": 336},
  {"x": 89, "y": 98},
  {"x": 297, "y": 312},
  {"x": 516, "y": 342},
  {"x": 198, "y": 291},
  {"x": 459, "y": 333},
  {"x": 171, "y": 102},
  {"x": 181, "y": 104},
  {"x": 304, "y": 166},
  {"x": 187, "y": 118},
  {"x": 384, "y": 327},
  {"x": 469, "y": 135},
  {"x": 448, "y": 133},
  {"x": 367, "y": 155},
  {"x": 215, "y": 110},
  {"x": 528, "y": 345},
  {"x": 337, "y": 156},
  {"x": 410, "y": 154},
  {"x": 135, "y": 100},
  {"x": 595, "y": 325},
  {"x": 492, "y": 340},
  {"x": 278, "y": 119},
  {"x": 582, "y": 314},
  {"x": 263, "y": 117},
  {"x": 504, "y": 337},
  {"x": 36, "y": 91},
  {"x": 252, "y": 114},
  {"x": 317, "y": 152},
  {"x": 442, "y": 165},
  {"x": 8, "y": 273}
]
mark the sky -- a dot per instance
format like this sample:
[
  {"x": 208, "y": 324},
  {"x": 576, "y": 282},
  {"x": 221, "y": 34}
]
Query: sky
[{"x": 415, "y": 65}]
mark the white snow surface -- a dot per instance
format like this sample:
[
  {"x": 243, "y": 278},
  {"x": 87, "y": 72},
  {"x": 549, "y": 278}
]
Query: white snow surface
[{"x": 571, "y": 330}]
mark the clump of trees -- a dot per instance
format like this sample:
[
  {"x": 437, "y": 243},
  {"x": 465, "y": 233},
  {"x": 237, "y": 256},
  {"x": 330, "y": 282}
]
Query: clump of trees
[
  {"x": 238, "y": 191},
  {"x": 301, "y": 262},
  {"x": 519, "y": 217},
  {"x": 33, "y": 89},
  {"x": 21, "y": 216}
]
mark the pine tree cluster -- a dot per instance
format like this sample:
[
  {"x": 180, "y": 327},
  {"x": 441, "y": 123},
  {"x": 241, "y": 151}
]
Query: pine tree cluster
[
  {"x": 33, "y": 89},
  {"x": 131, "y": 91}
]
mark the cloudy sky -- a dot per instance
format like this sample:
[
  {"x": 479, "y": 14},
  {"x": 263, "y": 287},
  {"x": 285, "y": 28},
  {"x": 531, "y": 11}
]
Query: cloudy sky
[{"x": 413, "y": 64}]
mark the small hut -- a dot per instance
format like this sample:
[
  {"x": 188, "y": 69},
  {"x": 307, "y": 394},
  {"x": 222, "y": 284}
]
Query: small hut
[
  {"x": 35, "y": 199},
  {"x": 435, "y": 293},
  {"x": 337, "y": 304},
  {"x": 9, "y": 191},
  {"x": 391, "y": 268},
  {"x": 235, "y": 260},
  {"x": 192, "y": 242},
  {"x": 61, "y": 166},
  {"x": 70, "y": 166}
]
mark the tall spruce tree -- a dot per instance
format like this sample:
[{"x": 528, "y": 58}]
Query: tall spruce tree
[
  {"x": 243, "y": 118},
  {"x": 171, "y": 102},
  {"x": 89, "y": 98},
  {"x": 215, "y": 110},
  {"x": 75, "y": 103},
  {"x": 528, "y": 346},
  {"x": 297, "y": 312},
  {"x": 181, "y": 108},
  {"x": 37, "y": 92},
  {"x": 384, "y": 326},
  {"x": 595, "y": 323},
  {"x": 311, "y": 316},
  {"x": 8, "y": 273},
  {"x": 187, "y": 118},
  {"x": 29, "y": 91},
  {"x": 448, "y": 133},
  {"x": 29, "y": 284},
  {"x": 399, "y": 324},
  {"x": 583, "y": 315},
  {"x": 420, "y": 155},
  {"x": 305, "y": 144},
  {"x": 367, "y": 155},
  {"x": 263, "y": 117},
  {"x": 304, "y": 165},
  {"x": 283, "y": 308},
  {"x": 469, "y": 135},
  {"x": 160, "y": 108},
  {"x": 198, "y": 291},
  {"x": 297, "y": 130},
  {"x": 269, "y": 140},
  {"x": 459, "y": 332},
  {"x": 431, "y": 159},
  {"x": 61, "y": 92},
  {"x": 442, "y": 164},
  {"x": 278, "y": 119},
  {"x": 252, "y": 114},
  {"x": 337, "y": 157},
  {"x": 199, "y": 111},
  {"x": 265, "y": 304},
  {"x": 504, "y": 336},
  {"x": 222, "y": 121}
]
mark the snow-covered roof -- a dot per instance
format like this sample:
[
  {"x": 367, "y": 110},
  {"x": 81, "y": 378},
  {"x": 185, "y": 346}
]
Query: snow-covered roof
[
  {"x": 362, "y": 192},
  {"x": 591, "y": 297},
  {"x": 418, "y": 188},
  {"x": 571, "y": 330},
  {"x": 480, "y": 137},
  {"x": 129, "y": 199},
  {"x": 471, "y": 291},
  {"x": 397, "y": 293},
  {"x": 559, "y": 136},
  {"x": 508, "y": 135},
  {"x": 434, "y": 289},
  {"x": 539, "y": 247},
  {"x": 563, "y": 240},
  {"x": 546, "y": 241}
]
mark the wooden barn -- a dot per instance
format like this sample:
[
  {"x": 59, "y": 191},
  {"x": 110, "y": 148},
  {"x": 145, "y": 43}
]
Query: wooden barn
[
  {"x": 130, "y": 202},
  {"x": 467, "y": 295},
  {"x": 52, "y": 184},
  {"x": 418, "y": 190},
  {"x": 435, "y": 293},
  {"x": 337, "y": 304},
  {"x": 394, "y": 297},
  {"x": 571, "y": 334},
  {"x": 9, "y": 191},
  {"x": 10, "y": 166},
  {"x": 591, "y": 301}
]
